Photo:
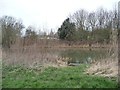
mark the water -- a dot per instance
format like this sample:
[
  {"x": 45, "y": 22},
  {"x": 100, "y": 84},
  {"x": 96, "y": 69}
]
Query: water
[
  {"x": 79, "y": 55},
  {"x": 83, "y": 55},
  {"x": 33, "y": 57}
]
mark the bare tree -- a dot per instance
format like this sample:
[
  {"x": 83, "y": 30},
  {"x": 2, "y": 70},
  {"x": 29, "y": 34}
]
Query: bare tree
[
  {"x": 92, "y": 20},
  {"x": 79, "y": 18},
  {"x": 30, "y": 35},
  {"x": 101, "y": 18},
  {"x": 11, "y": 28}
]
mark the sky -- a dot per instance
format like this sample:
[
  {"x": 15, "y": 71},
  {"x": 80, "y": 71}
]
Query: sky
[{"x": 49, "y": 14}]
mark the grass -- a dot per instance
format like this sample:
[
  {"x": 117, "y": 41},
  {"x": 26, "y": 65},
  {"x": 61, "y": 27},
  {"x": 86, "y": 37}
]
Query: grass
[{"x": 51, "y": 77}]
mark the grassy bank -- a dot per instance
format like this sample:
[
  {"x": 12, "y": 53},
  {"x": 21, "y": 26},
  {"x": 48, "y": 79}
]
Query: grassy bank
[{"x": 65, "y": 77}]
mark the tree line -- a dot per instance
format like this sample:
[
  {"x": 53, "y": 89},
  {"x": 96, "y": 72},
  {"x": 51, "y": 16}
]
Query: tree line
[
  {"x": 11, "y": 31},
  {"x": 89, "y": 27},
  {"x": 82, "y": 26}
]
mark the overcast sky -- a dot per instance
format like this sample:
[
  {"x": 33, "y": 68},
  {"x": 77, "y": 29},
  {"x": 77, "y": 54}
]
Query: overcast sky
[{"x": 49, "y": 13}]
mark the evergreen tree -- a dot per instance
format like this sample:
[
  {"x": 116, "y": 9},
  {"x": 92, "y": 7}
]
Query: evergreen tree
[{"x": 67, "y": 30}]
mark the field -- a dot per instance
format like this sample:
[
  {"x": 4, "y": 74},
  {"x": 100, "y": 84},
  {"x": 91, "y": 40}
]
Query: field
[
  {"x": 45, "y": 68},
  {"x": 80, "y": 52},
  {"x": 51, "y": 77}
]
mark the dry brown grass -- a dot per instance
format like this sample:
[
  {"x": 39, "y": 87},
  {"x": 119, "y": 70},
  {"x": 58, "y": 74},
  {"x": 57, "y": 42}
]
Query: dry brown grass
[
  {"x": 33, "y": 57},
  {"x": 107, "y": 67}
]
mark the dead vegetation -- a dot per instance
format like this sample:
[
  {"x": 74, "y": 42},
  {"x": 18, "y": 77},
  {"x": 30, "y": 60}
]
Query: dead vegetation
[
  {"x": 33, "y": 57},
  {"x": 107, "y": 67}
]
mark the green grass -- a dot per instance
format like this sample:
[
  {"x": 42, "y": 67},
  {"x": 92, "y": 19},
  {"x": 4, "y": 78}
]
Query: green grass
[{"x": 66, "y": 77}]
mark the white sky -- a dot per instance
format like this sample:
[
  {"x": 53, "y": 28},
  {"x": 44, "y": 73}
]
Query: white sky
[{"x": 49, "y": 13}]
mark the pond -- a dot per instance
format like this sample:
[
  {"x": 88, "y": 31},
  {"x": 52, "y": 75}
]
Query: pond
[
  {"x": 84, "y": 55},
  {"x": 33, "y": 56}
]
